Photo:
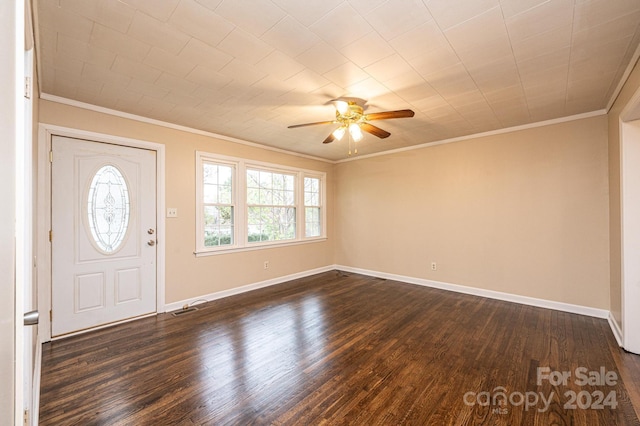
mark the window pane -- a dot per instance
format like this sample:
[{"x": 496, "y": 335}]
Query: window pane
[
  {"x": 311, "y": 191},
  {"x": 218, "y": 226},
  {"x": 312, "y": 221},
  {"x": 108, "y": 208},
  {"x": 210, "y": 193},
  {"x": 271, "y": 223}
]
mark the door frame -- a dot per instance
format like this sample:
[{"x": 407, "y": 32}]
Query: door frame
[
  {"x": 44, "y": 269},
  {"x": 629, "y": 132}
]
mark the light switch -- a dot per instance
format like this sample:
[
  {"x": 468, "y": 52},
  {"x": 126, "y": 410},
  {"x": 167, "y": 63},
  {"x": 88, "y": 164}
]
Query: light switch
[{"x": 172, "y": 212}]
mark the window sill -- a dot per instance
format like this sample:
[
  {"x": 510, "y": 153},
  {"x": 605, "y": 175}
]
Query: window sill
[{"x": 258, "y": 247}]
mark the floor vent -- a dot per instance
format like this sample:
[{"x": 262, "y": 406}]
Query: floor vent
[{"x": 184, "y": 311}]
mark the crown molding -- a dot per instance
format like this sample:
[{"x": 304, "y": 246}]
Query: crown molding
[{"x": 109, "y": 111}]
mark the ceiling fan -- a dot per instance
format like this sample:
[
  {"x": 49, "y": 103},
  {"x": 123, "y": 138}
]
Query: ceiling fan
[{"x": 351, "y": 117}]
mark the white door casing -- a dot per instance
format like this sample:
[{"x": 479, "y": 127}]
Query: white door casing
[
  {"x": 630, "y": 227},
  {"x": 103, "y": 263}
]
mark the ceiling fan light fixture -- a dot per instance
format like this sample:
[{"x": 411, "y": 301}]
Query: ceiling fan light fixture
[
  {"x": 342, "y": 107},
  {"x": 355, "y": 131},
  {"x": 339, "y": 132}
]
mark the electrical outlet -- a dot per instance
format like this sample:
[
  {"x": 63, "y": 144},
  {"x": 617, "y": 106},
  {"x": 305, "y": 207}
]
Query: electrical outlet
[
  {"x": 434, "y": 266},
  {"x": 172, "y": 212},
  {"x": 266, "y": 264}
]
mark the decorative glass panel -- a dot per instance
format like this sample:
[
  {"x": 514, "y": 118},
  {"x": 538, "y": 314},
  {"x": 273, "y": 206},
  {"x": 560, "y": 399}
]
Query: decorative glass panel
[{"x": 108, "y": 208}]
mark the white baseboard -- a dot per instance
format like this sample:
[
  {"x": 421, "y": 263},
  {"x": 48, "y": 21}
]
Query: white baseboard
[
  {"x": 615, "y": 328},
  {"x": 174, "y": 306},
  {"x": 491, "y": 294},
  {"x": 507, "y": 297}
]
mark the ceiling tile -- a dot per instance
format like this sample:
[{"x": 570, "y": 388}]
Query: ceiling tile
[
  {"x": 543, "y": 43},
  {"x": 163, "y": 60},
  {"x": 405, "y": 81},
  {"x": 395, "y": 17},
  {"x": 244, "y": 46},
  {"x": 155, "y": 33},
  {"x": 495, "y": 75},
  {"x": 118, "y": 43},
  {"x": 511, "y": 8},
  {"x": 84, "y": 52},
  {"x": 176, "y": 84},
  {"x": 448, "y": 13},
  {"x": 346, "y": 75},
  {"x": 541, "y": 65},
  {"x": 279, "y": 65},
  {"x": 608, "y": 32},
  {"x": 290, "y": 37},
  {"x": 541, "y": 19},
  {"x": 351, "y": 26},
  {"x": 419, "y": 41},
  {"x": 307, "y": 81},
  {"x": 436, "y": 60},
  {"x": 365, "y": 89},
  {"x": 65, "y": 21},
  {"x": 321, "y": 58},
  {"x": 101, "y": 75},
  {"x": 160, "y": 10},
  {"x": 135, "y": 69},
  {"x": 419, "y": 93},
  {"x": 241, "y": 71},
  {"x": 198, "y": 52},
  {"x": 148, "y": 89},
  {"x": 205, "y": 76},
  {"x": 307, "y": 12},
  {"x": 181, "y": 99},
  {"x": 452, "y": 81},
  {"x": 367, "y": 50},
  {"x": 200, "y": 22},
  {"x": 595, "y": 12},
  {"x": 489, "y": 44},
  {"x": 113, "y": 14},
  {"x": 254, "y": 16},
  {"x": 389, "y": 68}
]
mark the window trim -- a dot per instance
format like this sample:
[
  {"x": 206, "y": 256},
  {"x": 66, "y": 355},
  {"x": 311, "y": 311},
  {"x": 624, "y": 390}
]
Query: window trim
[{"x": 239, "y": 195}]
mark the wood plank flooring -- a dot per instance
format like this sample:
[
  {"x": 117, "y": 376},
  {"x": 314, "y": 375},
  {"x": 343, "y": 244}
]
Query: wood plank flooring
[{"x": 339, "y": 348}]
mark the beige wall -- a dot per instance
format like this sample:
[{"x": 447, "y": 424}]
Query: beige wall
[
  {"x": 187, "y": 276},
  {"x": 524, "y": 213}
]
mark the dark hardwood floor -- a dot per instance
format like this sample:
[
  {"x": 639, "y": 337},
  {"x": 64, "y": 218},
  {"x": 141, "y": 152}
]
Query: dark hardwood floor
[{"x": 339, "y": 348}]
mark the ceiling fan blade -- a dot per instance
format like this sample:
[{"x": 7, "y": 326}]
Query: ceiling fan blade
[
  {"x": 376, "y": 131},
  {"x": 402, "y": 113},
  {"x": 329, "y": 138},
  {"x": 309, "y": 124}
]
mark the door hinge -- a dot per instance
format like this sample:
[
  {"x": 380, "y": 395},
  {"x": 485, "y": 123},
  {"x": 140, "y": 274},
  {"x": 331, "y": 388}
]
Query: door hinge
[
  {"x": 26, "y": 417},
  {"x": 51, "y": 156},
  {"x": 50, "y": 235},
  {"x": 51, "y": 315},
  {"x": 27, "y": 87}
]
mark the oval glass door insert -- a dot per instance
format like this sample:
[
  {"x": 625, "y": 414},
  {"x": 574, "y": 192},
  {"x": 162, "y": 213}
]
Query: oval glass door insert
[{"x": 108, "y": 208}]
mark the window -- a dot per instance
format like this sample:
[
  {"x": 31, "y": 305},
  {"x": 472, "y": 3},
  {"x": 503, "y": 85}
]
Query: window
[
  {"x": 271, "y": 211},
  {"x": 217, "y": 182},
  {"x": 108, "y": 208},
  {"x": 312, "y": 207},
  {"x": 243, "y": 204}
]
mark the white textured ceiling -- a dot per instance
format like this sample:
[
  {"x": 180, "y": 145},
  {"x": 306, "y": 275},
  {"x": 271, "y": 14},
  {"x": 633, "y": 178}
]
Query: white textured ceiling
[{"x": 249, "y": 68}]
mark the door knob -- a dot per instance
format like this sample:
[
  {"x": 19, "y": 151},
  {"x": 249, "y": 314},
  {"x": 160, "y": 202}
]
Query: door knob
[
  {"x": 152, "y": 242},
  {"x": 151, "y": 231},
  {"x": 31, "y": 318}
]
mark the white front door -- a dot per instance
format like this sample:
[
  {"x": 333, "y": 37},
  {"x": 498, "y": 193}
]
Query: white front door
[{"x": 103, "y": 218}]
